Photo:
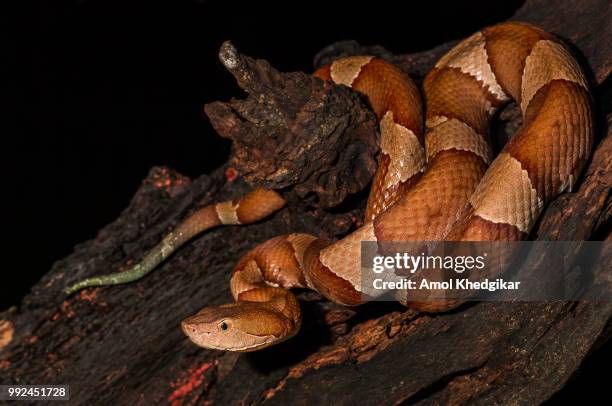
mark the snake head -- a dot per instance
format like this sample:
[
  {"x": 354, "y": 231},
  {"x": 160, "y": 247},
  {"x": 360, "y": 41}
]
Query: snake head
[{"x": 242, "y": 327}]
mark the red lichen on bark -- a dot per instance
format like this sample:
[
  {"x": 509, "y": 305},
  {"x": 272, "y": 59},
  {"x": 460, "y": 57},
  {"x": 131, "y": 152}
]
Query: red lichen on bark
[
  {"x": 6, "y": 333},
  {"x": 191, "y": 380}
]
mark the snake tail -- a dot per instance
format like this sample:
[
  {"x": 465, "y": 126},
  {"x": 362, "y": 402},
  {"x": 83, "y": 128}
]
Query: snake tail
[{"x": 252, "y": 207}]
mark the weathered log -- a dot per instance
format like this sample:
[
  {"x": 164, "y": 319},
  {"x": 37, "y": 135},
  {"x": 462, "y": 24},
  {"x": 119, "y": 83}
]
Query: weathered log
[
  {"x": 123, "y": 344},
  {"x": 296, "y": 132}
]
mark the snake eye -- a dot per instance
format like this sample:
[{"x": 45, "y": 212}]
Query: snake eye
[{"x": 223, "y": 325}]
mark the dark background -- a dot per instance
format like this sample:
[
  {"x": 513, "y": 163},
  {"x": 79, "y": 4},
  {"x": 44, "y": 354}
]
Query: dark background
[
  {"x": 103, "y": 91},
  {"x": 99, "y": 92}
]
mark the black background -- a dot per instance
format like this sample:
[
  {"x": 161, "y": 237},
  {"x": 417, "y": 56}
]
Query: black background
[
  {"x": 100, "y": 91},
  {"x": 103, "y": 91}
]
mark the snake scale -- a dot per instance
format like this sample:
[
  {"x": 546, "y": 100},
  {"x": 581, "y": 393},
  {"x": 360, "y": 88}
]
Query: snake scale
[{"x": 436, "y": 180}]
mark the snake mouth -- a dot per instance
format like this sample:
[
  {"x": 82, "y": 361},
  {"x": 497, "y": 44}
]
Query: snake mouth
[{"x": 191, "y": 329}]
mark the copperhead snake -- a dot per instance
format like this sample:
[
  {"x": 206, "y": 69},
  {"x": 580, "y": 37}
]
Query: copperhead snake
[{"x": 434, "y": 182}]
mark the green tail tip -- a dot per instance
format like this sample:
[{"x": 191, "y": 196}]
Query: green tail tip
[
  {"x": 86, "y": 283},
  {"x": 71, "y": 289}
]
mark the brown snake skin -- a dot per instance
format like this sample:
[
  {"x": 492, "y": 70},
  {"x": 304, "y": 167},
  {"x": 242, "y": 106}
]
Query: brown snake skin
[
  {"x": 440, "y": 183},
  {"x": 447, "y": 192}
]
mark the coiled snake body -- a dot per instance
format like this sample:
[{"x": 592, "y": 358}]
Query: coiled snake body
[{"x": 434, "y": 183}]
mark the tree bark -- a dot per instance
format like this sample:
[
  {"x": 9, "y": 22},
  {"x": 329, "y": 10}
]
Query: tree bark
[{"x": 124, "y": 345}]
